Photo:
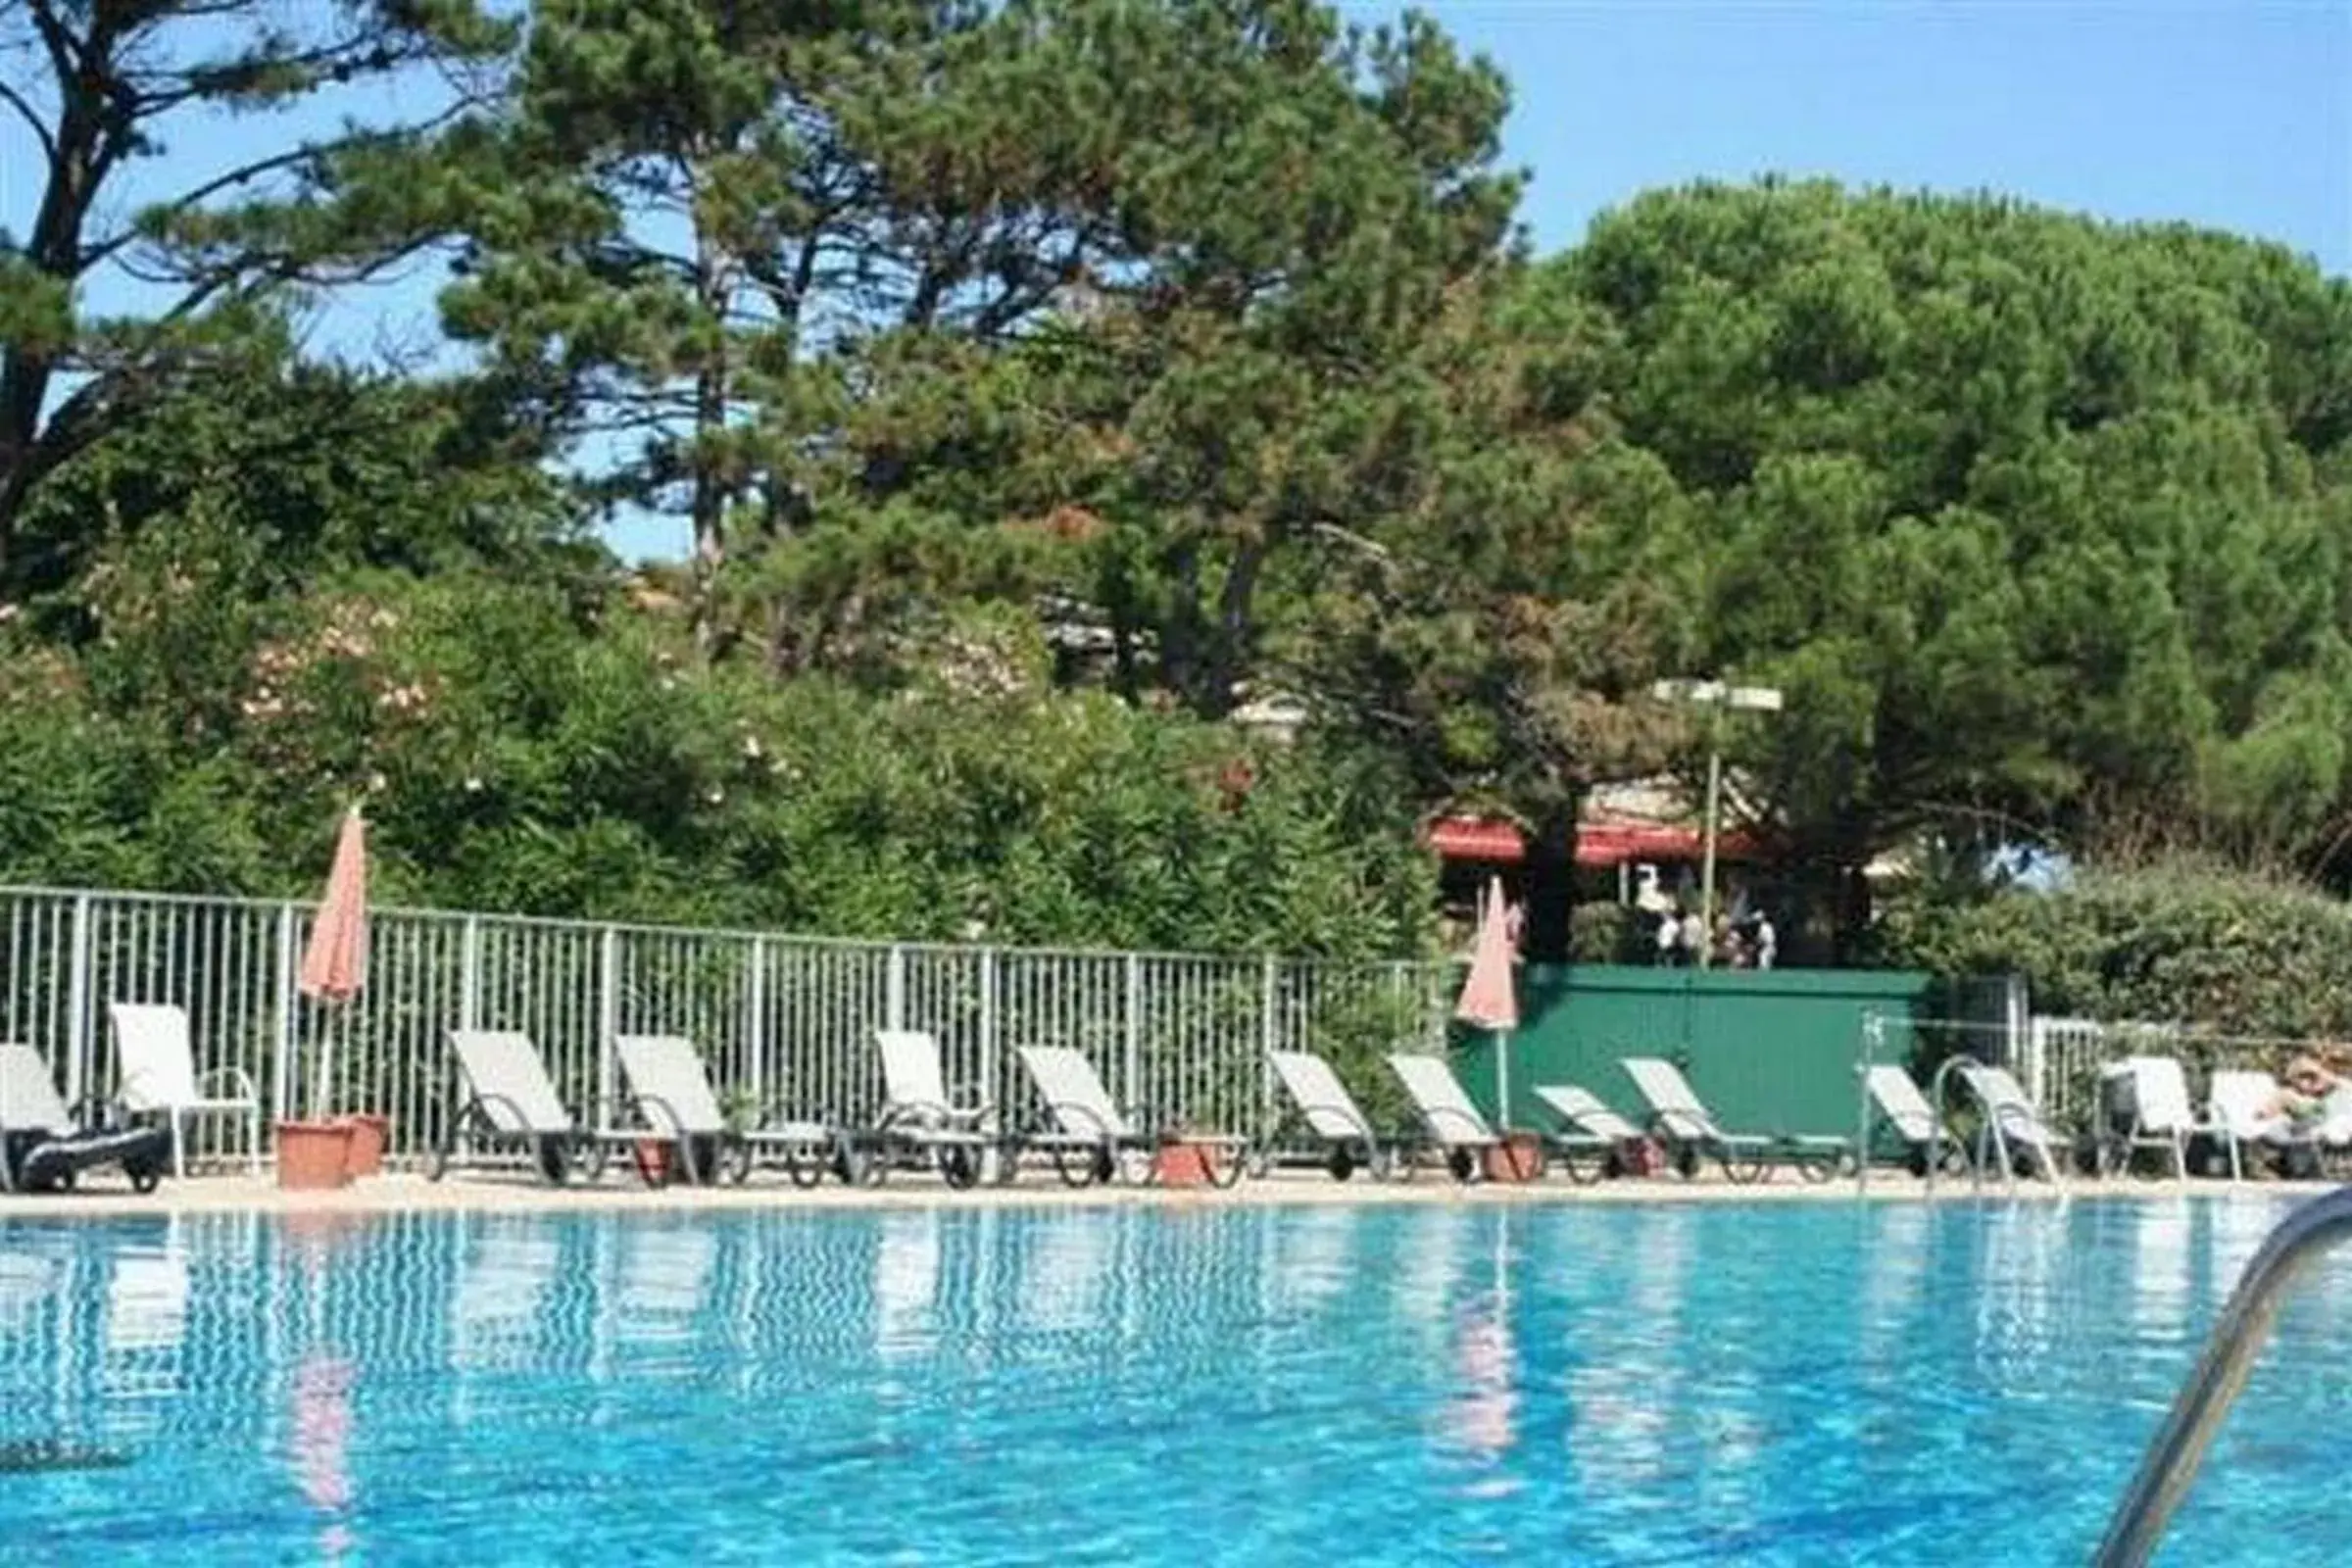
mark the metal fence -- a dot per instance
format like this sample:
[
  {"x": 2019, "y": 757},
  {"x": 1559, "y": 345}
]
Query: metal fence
[{"x": 778, "y": 1018}]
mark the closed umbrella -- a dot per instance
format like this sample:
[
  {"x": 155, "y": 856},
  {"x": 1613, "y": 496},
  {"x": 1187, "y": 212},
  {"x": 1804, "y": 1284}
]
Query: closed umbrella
[
  {"x": 1488, "y": 999},
  {"x": 335, "y": 964}
]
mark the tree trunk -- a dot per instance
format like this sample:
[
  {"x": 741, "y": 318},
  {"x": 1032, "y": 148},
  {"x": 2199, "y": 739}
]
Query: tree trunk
[
  {"x": 1550, "y": 886},
  {"x": 711, "y": 391}
]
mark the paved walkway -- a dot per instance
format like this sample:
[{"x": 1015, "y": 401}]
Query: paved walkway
[{"x": 399, "y": 1192}]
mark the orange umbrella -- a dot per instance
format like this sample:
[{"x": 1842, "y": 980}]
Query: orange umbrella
[
  {"x": 335, "y": 964},
  {"x": 1488, "y": 997}
]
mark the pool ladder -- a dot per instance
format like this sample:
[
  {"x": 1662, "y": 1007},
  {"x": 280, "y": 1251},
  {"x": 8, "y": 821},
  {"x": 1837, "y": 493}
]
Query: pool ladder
[{"x": 2170, "y": 1463}]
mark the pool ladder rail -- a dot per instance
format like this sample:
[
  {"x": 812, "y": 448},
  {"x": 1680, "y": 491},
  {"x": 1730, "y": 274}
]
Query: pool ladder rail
[{"x": 2169, "y": 1466}]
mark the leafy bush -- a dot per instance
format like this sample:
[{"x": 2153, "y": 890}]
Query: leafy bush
[
  {"x": 2223, "y": 952},
  {"x": 1604, "y": 933},
  {"x": 539, "y": 750}
]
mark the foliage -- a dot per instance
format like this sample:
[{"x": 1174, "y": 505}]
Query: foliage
[
  {"x": 854, "y": 287},
  {"x": 2030, "y": 516},
  {"x": 250, "y": 486},
  {"x": 1048, "y": 383},
  {"x": 522, "y": 751},
  {"x": 2179, "y": 943},
  {"x": 218, "y": 256},
  {"x": 1606, "y": 933}
]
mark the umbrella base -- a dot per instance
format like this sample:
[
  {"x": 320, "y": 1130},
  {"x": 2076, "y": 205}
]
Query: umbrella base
[{"x": 313, "y": 1156}]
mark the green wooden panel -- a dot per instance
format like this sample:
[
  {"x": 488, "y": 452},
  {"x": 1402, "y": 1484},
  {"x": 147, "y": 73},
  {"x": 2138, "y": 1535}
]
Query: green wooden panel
[{"x": 1768, "y": 1051}]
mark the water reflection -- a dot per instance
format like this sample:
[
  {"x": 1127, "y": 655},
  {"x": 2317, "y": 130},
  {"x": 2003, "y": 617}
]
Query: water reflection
[
  {"x": 1483, "y": 1414},
  {"x": 1678, "y": 1382},
  {"x": 905, "y": 1282},
  {"x": 2163, "y": 1273},
  {"x": 320, "y": 1444}
]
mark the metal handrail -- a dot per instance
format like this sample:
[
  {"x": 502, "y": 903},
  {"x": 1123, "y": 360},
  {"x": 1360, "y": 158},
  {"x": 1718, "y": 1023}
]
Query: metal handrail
[
  {"x": 1936, "y": 1085},
  {"x": 2169, "y": 1466}
]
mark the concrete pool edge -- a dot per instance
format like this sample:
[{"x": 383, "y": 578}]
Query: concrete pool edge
[{"x": 505, "y": 1193}]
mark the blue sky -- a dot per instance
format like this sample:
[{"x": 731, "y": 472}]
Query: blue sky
[{"x": 2235, "y": 113}]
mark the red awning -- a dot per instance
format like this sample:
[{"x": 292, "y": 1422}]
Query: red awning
[
  {"x": 1600, "y": 844},
  {"x": 1478, "y": 838},
  {"x": 1491, "y": 841}
]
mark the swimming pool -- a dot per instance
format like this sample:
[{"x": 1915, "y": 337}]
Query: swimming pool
[{"x": 1792, "y": 1383}]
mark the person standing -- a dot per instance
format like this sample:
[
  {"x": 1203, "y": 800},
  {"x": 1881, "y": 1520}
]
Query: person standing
[{"x": 1767, "y": 941}]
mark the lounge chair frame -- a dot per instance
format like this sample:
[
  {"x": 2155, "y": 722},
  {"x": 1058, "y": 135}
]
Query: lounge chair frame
[
  {"x": 558, "y": 1141},
  {"x": 922, "y": 1122},
  {"x": 668, "y": 1088},
  {"x": 2012, "y": 1126},
  {"x": 1591, "y": 1140},
  {"x": 155, "y": 1050},
  {"x": 1898, "y": 1101},
  {"x": 45, "y": 1147},
  {"x": 1090, "y": 1138},
  {"x": 2233, "y": 1115},
  {"x": 1680, "y": 1121},
  {"x": 2161, "y": 1117},
  {"x": 1451, "y": 1124},
  {"x": 1330, "y": 1112}
]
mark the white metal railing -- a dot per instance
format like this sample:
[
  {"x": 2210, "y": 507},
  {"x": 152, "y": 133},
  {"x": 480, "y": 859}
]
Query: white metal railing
[{"x": 777, "y": 1017}]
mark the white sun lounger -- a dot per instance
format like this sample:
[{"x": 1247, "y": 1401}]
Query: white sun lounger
[
  {"x": 1588, "y": 1127},
  {"x": 2238, "y": 1111},
  {"x": 2331, "y": 1137},
  {"x": 1913, "y": 1120},
  {"x": 1450, "y": 1123},
  {"x": 1088, "y": 1133},
  {"x": 2152, "y": 1095},
  {"x": 509, "y": 1101},
  {"x": 1331, "y": 1113},
  {"x": 919, "y": 1120},
  {"x": 672, "y": 1092},
  {"x": 1691, "y": 1131},
  {"x": 43, "y": 1146},
  {"x": 2009, "y": 1119},
  {"x": 157, "y": 1076}
]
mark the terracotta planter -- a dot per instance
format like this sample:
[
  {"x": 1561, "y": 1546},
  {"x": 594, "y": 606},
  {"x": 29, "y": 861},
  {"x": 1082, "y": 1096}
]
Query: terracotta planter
[
  {"x": 1519, "y": 1157},
  {"x": 314, "y": 1154},
  {"x": 369, "y": 1136},
  {"x": 653, "y": 1161},
  {"x": 1184, "y": 1163},
  {"x": 1641, "y": 1158}
]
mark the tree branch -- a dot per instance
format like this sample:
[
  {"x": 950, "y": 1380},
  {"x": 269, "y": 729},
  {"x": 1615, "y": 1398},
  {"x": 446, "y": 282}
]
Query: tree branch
[
  {"x": 65, "y": 58},
  {"x": 93, "y": 255}
]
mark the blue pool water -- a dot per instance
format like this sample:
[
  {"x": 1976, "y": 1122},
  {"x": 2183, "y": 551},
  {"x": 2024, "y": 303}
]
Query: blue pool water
[{"x": 1794, "y": 1384}]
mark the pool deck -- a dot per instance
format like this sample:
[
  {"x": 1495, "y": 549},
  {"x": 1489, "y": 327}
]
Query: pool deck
[{"x": 513, "y": 1193}]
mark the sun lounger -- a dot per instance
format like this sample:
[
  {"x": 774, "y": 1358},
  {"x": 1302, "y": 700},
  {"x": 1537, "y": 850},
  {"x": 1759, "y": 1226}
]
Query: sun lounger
[
  {"x": 1450, "y": 1123},
  {"x": 1090, "y": 1136},
  {"x": 1591, "y": 1140},
  {"x": 919, "y": 1122},
  {"x": 1689, "y": 1131},
  {"x": 2013, "y": 1132},
  {"x": 2238, "y": 1111},
  {"x": 44, "y": 1145},
  {"x": 1332, "y": 1116},
  {"x": 508, "y": 1102},
  {"x": 673, "y": 1096},
  {"x": 2331, "y": 1136},
  {"x": 2146, "y": 1102},
  {"x": 157, "y": 1076},
  {"x": 1904, "y": 1109}
]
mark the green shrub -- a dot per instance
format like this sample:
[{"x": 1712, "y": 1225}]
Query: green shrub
[
  {"x": 533, "y": 750},
  {"x": 2219, "y": 953},
  {"x": 1604, "y": 933}
]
